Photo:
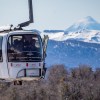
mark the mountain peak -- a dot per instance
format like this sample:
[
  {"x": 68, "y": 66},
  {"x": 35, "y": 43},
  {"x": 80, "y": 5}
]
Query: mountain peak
[
  {"x": 87, "y": 19},
  {"x": 87, "y": 23}
]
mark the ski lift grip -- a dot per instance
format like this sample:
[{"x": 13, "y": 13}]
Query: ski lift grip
[{"x": 31, "y": 20}]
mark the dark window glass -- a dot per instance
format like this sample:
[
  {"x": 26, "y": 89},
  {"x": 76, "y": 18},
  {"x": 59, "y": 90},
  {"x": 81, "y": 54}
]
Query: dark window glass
[
  {"x": 24, "y": 48},
  {"x": 1, "y": 38}
]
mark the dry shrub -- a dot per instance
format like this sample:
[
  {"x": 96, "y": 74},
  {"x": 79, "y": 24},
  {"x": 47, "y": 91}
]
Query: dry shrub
[{"x": 80, "y": 83}]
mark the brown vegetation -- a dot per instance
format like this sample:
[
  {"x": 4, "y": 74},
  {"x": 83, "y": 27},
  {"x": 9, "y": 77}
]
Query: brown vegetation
[{"x": 81, "y": 83}]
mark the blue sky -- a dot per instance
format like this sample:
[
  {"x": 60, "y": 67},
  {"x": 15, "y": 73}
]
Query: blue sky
[{"x": 48, "y": 14}]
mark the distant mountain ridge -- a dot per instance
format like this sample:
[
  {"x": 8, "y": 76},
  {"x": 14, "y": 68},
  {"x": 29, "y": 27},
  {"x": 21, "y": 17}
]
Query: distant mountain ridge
[{"x": 78, "y": 44}]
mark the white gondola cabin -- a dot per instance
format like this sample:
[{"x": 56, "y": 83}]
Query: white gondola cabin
[
  {"x": 22, "y": 52},
  {"x": 18, "y": 58}
]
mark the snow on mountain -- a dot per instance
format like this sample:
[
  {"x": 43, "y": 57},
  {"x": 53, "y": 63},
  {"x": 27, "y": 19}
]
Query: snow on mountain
[
  {"x": 86, "y": 30},
  {"x": 92, "y": 36},
  {"x": 54, "y": 36},
  {"x": 87, "y": 23}
]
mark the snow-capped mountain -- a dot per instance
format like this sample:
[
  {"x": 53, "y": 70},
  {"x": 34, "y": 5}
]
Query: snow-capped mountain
[
  {"x": 79, "y": 44},
  {"x": 87, "y": 23},
  {"x": 86, "y": 30}
]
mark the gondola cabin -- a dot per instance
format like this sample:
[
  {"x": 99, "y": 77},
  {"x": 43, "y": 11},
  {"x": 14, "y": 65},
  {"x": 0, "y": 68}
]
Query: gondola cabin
[{"x": 22, "y": 54}]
